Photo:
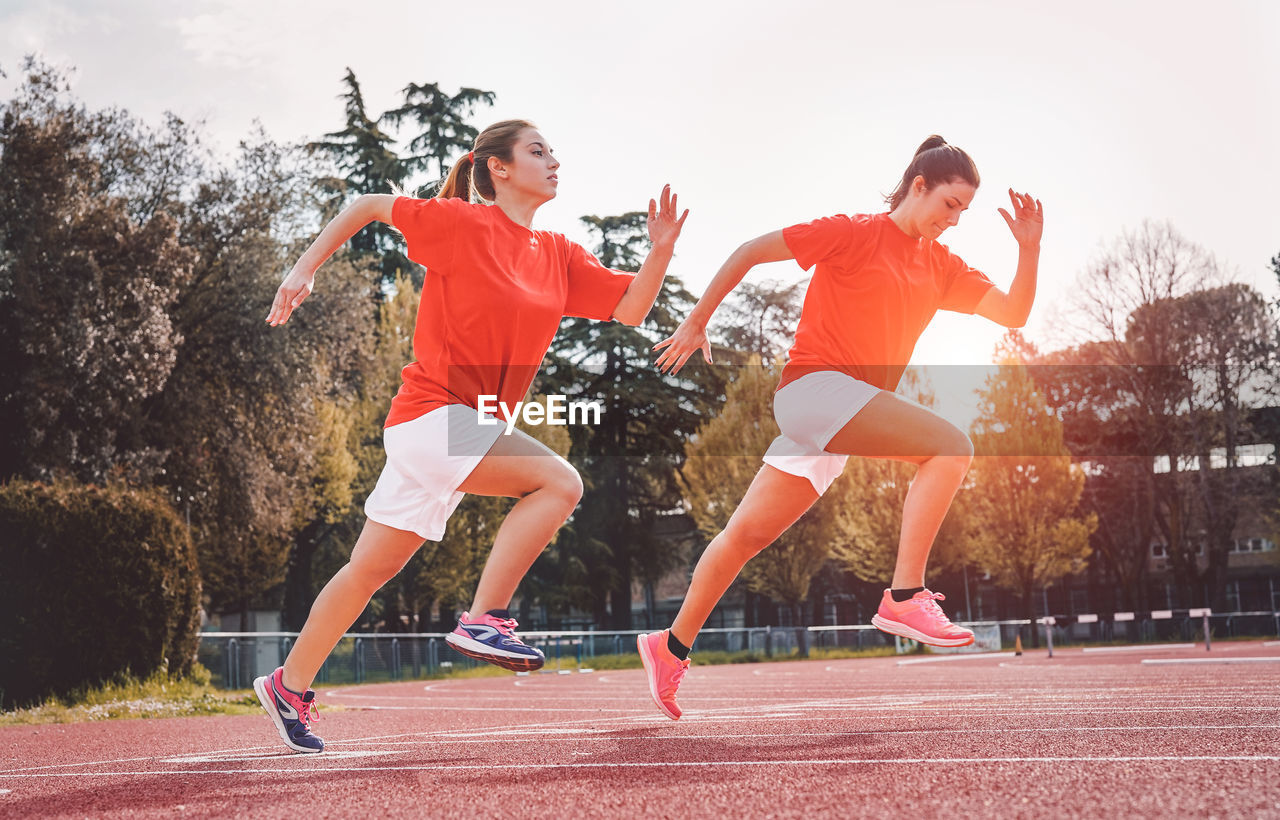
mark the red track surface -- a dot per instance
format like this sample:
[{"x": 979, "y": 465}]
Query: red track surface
[{"x": 1081, "y": 734}]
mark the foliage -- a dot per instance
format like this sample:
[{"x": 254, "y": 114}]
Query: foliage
[
  {"x": 760, "y": 318},
  {"x": 1022, "y": 502},
  {"x": 721, "y": 462},
  {"x": 157, "y": 695},
  {"x": 365, "y": 161},
  {"x": 443, "y": 120},
  {"x": 248, "y": 417},
  {"x": 88, "y": 283},
  {"x": 97, "y": 581},
  {"x": 628, "y": 461},
  {"x": 1181, "y": 358}
]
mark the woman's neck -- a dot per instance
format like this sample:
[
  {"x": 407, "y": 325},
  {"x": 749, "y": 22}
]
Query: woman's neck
[
  {"x": 902, "y": 217},
  {"x": 519, "y": 210}
]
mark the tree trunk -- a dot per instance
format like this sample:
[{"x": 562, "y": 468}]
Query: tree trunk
[
  {"x": 802, "y": 634},
  {"x": 1029, "y": 612},
  {"x": 298, "y": 581}
]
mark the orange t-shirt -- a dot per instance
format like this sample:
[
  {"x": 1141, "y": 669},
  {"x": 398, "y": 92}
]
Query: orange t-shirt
[
  {"x": 492, "y": 299},
  {"x": 873, "y": 293}
]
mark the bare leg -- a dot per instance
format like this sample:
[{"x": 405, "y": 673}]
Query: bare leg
[
  {"x": 774, "y": 501},
  {"x": 516, "y": 465},
  {"x": 519, "y": 466},
  {"x": 892, "y": 427},
  {"x": 378, "y": 555}
]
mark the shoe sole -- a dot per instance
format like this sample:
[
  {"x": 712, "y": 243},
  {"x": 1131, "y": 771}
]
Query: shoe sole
[
  {"x": 904, "y": 631},
  {"x": 514, "y": 664},
  {"x": 267, "y": 701},
  {"x": 647, "y": 660}
]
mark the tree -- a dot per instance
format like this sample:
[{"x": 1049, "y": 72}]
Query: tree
[
  {"x": 629, "y": 460},
  {"x": 872, "y": 493},
  {"x": 721, "y": 461},
  {"x": 87, "y": 285},
  {"x": 365, "y": 163},
  {"x": 240, "y": 416},
  {"x": 760, "y": 318},
  {"x": 443, "y": 122},
  {"x": 1227, "y": 348},
  {"x": 1022, "y": 502},
  {"x": 1177, "y": 354}
]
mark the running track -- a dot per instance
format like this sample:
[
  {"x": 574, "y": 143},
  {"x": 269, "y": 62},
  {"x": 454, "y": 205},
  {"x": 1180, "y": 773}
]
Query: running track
[{"x": 1084, "y": 734}]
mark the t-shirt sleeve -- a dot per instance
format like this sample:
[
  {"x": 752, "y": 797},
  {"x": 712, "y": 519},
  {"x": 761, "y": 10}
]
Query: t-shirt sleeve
[
  {"x": 812, "y": 242},
  {"x": 594, "y": 290},
  {"x": 965, "y": 285},
  {"x": 429, "y": 227}
]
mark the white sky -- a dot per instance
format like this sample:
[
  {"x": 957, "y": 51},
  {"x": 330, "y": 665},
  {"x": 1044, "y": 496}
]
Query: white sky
[{"x": 762, "y": 114}]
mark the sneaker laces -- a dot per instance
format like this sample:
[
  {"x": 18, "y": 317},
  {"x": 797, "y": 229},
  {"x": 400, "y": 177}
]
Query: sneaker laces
[
  {"x": 310, "y": 709},
  {"x": 678, "y": 675},
  {"x": 928, "y": 603}
]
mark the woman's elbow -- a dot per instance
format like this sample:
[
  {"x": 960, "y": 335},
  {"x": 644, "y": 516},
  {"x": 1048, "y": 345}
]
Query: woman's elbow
[{"x": 629, "y": 316}]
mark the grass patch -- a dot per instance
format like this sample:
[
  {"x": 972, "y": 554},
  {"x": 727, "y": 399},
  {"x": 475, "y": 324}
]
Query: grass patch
[{"x": 128, "y": 697}]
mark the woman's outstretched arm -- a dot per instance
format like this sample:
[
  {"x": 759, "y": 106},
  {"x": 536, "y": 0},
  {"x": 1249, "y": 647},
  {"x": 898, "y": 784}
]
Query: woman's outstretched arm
[
  {"x": 1026, "y": 224},
  {"x": 297, "y": 285},
  {"x": 692, "y": 333},
  {"x": 664, "y": 230}
]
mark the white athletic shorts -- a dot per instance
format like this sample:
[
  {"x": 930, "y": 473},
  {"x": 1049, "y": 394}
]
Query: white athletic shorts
[
  {"x": 809, "y": 412},
  {"x": 427, "y": 458}
]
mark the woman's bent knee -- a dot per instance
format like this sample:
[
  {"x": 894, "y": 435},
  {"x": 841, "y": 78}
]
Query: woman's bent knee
[{"x": 566, "y": 485}]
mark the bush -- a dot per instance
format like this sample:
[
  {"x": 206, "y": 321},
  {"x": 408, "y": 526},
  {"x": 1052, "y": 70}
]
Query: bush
[{"x": 94, "y": 582}]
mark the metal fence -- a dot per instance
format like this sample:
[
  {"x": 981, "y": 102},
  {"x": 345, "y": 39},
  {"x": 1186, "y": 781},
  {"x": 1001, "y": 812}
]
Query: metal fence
[{"x": 235, "y": 658}]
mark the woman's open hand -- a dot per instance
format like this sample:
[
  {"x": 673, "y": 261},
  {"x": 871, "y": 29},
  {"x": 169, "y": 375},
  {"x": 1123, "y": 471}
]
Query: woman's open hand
[
  {"x": 292, "y": 291},
  {"x": 691, "y": 336},
  {"x": 1027, "y": 221},
  {"x": 664, "y": 228}
]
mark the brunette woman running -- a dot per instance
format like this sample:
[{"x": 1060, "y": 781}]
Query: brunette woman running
[
  {"x": 879, "y": 280},
  {"x": 494, "y": 294}
]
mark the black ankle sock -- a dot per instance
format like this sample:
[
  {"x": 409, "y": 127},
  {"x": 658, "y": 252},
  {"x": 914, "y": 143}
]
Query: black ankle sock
[
  {"x": 500, "y": 614},
  {"x": 678, "y": 649},
  {"x": 900, "y": 595}
]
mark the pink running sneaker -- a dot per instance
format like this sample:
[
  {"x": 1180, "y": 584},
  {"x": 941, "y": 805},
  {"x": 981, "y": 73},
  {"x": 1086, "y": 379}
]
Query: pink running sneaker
[
  {"x": 664, "y": 671},
  {"x": 920, "y": 619},
  {"x": 290, "y": 712}
]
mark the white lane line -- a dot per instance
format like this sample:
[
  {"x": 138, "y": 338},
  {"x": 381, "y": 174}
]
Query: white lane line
[
  {"x": 607, "y": 734},
  {"x": 958, "y": 657},
  {"x": 1008, "y": 709},
  {"x": 670, "y": 764},
  {"x": 447, "y": 708},
  {"x": 1271, "y": 643},
  {"x": 1275, "y": 659},
  {"x": 1141, "y": 648}
]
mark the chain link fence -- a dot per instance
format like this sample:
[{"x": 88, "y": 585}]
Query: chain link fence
[{"x": 235, "y": 658}]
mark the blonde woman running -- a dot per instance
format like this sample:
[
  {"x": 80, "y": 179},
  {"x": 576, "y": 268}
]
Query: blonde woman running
[{"x": 494, "y": 294}]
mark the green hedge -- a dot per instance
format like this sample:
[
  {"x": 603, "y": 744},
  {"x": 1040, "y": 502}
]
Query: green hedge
[{"x": 93, "y": 581}]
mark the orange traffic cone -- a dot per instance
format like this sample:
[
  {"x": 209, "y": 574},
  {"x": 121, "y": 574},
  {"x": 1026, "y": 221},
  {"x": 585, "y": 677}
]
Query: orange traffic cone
[{"x": 1017, "y": 645}]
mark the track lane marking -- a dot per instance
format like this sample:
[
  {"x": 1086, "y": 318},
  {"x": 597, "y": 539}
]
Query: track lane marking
[
  {"x": 1275, "y": 659},
  {"x": 668, "y": 764}
]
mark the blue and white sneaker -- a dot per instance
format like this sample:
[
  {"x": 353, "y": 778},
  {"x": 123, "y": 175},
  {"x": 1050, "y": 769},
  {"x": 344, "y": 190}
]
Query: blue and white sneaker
[
  {"x": 290, "y": 713},
  {"x": 487, "y": 638}
]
